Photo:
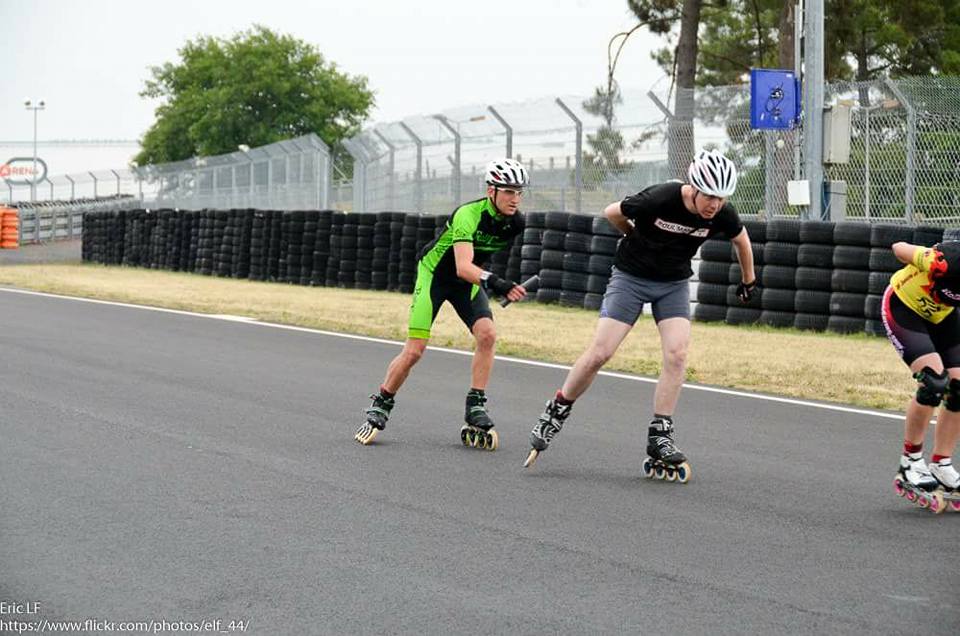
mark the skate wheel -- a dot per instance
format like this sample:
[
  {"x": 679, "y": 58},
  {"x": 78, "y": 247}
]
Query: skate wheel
[
  {"x": 671, "y": 474},
  {"x": 898, "y": 486},
  {"x": 955, "y": 505},
  {"x": 911, "y": 496},
  {"x": 936, "y": 503},
  {"x": 493, "y": 441},
  {"x": 923, "y": 501},
  {"x": 658, "y": 472},
  {"x": 464, "y": 436},
  {"x": 531, "y": 458},
  {"x": 366, "y": 434},
  {"x": 648, "y": 468},
  {"x": 683, "y": 473}
]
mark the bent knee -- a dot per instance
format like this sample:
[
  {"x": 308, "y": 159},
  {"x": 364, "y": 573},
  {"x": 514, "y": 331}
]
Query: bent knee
[{"x": 485, "y": 333}]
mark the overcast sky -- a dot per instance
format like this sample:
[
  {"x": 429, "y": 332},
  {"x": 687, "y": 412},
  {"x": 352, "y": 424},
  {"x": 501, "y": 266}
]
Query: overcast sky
[{"x": 89, "y": 59}]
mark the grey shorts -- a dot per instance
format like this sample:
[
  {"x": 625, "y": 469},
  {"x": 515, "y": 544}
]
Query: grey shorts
[{"x": 627, "y": 293}]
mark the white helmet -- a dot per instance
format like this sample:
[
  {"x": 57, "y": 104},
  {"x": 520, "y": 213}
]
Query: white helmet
[
  {"x": 713, "y": 174},
  {"x": 506, "y": 172}
]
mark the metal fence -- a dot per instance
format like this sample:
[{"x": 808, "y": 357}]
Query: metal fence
[
  {"x": 904, "y": 160},
  {"x": 904, "y": 163},
  {"x": 287, "y": 175}
]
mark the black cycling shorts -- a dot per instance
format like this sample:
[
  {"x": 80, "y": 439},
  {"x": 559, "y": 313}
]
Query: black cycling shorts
[{"x": 913, "y": 336}]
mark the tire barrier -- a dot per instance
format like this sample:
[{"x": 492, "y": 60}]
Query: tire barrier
[
  {"x": 9, "y": 228},
  {"x": 815, "y": 275}
]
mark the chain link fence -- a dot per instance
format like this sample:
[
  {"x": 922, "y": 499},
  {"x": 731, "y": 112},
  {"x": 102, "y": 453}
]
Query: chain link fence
[
  {"x": 294, "y": 174},
  {"x": 904, "y": 162}
]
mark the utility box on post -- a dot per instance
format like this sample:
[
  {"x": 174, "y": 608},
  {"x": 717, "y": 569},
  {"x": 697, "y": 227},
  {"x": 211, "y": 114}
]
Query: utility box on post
[{"x": 836, "y": 133}]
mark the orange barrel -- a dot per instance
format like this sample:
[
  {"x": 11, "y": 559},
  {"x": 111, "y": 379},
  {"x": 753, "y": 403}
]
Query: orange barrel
[{"x": 9, "y": 229}]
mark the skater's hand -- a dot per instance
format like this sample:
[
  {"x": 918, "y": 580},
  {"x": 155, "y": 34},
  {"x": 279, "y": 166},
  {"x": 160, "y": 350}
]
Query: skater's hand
[
  {"x": 745, "y": 290},
  {"x": 517, "y": 293},
  {"x": 496, "y": 285}
]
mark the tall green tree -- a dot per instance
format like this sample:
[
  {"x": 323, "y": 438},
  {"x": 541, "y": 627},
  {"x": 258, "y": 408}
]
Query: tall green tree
[
  {"x": 864, "y": 39},
  {"x": 255, "y": 88}
]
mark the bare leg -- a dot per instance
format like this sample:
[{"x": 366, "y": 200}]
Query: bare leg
[
  {"x": 486, "y": 336},
  {"x": 606, "y": 340},
  {"x": 400, "y": 366},
  {"x": 674, "y": 342}
]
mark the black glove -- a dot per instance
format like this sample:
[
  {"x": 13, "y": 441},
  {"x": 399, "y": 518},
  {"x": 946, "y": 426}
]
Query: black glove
[
  {"x": 745, "y": 291},
  {"x": 496, "y": 285}
]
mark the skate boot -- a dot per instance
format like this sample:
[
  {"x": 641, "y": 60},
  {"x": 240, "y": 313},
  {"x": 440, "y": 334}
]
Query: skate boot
[
  {"x": 546, "y": 428},
  {"x": 665, "y": 460},
  {"x": 478, "y": 431},
  {"x": 377, "y": 415},
  {"x": 914, "y": 481},
  {"x": 949, "y": 480}
]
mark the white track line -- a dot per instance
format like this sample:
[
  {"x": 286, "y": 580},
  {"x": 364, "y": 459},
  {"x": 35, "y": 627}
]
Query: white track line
[{"x": 533, "y": 363}]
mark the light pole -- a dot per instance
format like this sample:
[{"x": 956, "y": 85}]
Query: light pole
[{"x": 33, "y": 179}]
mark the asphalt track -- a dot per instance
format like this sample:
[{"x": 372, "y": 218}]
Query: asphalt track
[{"x": 157, "y": 465}]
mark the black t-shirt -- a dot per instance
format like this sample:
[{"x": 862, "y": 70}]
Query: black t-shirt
[{"x": 667, "y": 234}]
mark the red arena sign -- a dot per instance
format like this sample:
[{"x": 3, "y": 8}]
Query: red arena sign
[{"x": 20, "y": 171}]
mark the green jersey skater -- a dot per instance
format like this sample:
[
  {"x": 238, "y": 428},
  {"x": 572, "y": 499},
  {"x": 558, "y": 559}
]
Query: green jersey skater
[{"x": 450, "y": 269}]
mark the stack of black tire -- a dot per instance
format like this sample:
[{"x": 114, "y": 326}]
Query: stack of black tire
[
  {"x": 134, "y": 249},
  {"x": 162, "y": 248},
  {"x": 321, "y": 248},
  {"x": 407, "y": 273},
  {"x": 347, "y": 274},
  {"x": 206, "y": 239},
  {"x": 531, "y": 245},
  {"x": 223, "y": 242},
  {"x": 814, "y": 275},
  {"x": 395, "y": 257},
  {"x": 379, "y": 278},
  {"x": 551, "y": 256},
  {"x": 335, "y": 249},
  {"x": 307, "y": 246},
  {"x": 603, "y": 247},
  {"x": 258, "y": 245},
  {"x": 576, "y": 260},
  {"x": 184, "y": 223},
  {"x": 365, "y": 231}
]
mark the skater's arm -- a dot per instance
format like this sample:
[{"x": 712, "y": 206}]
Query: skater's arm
[
  {"x": 615, "y": 215},
  {"x": 468, "y": 271},
  {"x": 907, "y": 253},
  {"x": 741, "y": 243}
]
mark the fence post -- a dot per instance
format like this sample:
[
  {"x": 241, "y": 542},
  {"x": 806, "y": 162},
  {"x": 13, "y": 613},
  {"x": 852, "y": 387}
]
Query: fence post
[
  {"x": 769, "y": 172},
  {"x": 506, "y": 126},
  {"x": 359, "y": 175},
  {"x": 456, "y": 156},
  {"x": 578, "y": 160},
  {"x": 418, "y": 190},
  {"x": 813, "y": 106},
  {"x": 911, "y": 176},
  {"x": 391, "y": 180}
]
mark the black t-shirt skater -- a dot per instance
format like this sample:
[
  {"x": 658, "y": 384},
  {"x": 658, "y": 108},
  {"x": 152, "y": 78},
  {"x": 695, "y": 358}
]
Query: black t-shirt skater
[{"x": 667, "y": 235}]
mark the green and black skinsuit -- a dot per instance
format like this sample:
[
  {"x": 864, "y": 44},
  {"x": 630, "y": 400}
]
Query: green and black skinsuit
[{"x": 475, "y": 222}]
